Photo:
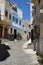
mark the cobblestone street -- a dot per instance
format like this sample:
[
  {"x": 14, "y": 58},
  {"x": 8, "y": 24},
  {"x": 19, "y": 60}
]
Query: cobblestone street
[{"x": 19, "y": 55}]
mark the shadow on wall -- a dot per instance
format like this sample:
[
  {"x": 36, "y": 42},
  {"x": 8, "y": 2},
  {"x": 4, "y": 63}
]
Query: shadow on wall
[{"x": 4, "y": 52}]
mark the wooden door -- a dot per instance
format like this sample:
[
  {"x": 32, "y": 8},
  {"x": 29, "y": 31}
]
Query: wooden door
[
  {"x": 1, "y": 28},
  {"x": 5, "y": 33}
]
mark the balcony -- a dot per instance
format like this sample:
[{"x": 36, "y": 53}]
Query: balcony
[{"x": 4, "y": 21}]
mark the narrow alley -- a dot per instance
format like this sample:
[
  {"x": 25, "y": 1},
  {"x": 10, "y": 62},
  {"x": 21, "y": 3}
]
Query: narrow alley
[{"x": 19, "y": 55}]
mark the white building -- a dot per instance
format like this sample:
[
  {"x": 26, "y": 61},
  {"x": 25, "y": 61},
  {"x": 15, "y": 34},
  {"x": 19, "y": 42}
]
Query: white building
[
  {"x": 16, "y": 21},
  {"x": 25, "y": 29},
  {"x": 31, "y": 12},
  {"x": 10, "y": 19}
]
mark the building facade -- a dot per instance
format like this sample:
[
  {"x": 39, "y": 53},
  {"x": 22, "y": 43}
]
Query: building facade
[
  {"x": 25, "y": 29},
  {"x": 16, "y": 21},
  {"x": 5, "y": 18},
  {"x": 10, "y": 19},
  {"x": 38, "y": 25}
]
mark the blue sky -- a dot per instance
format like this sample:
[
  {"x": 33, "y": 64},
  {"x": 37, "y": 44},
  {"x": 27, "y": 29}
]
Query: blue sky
[{"x": 24, "y": 7}]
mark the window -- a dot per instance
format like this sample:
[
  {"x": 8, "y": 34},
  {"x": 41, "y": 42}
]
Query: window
[
  {"x": 6, "y": 13},
  {"x": 23, "y": 25},
  {"x": 19, "y": 22},
  {"x": 29, "y": 25},
  {"x": 25, "y": 31},
  {"x": 16, "y": 20},
  {"x": 10, "y": 16},
  {"x": 32, "y": 7},
  {"x": 39, "y": 1},
  {"x": 15, "y": 9},
  {"x": 13, "y": 19},
  {"x": 11, "y": 30}
]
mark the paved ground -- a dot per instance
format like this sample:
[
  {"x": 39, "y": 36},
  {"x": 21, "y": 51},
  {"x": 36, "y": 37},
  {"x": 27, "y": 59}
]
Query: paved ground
[{"x": 18, "y": 55}]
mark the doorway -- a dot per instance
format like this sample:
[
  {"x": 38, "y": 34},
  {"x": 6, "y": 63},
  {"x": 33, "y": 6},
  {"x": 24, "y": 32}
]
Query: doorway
[
  {"x": 5, "y": 33},
  {"x": 15, "y": 33},
  {"x": 1, "y": 28}
]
